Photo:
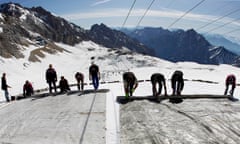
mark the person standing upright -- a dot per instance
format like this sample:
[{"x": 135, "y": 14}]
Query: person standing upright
[
  {"x": 94, "y": 75},
  {"x": 5, "y": 87},
  {"x": 51, "y": 78}
]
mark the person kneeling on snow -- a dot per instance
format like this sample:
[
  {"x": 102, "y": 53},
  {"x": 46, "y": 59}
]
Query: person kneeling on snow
[
  {"x": 130, "y": 83},
  {"x": 159, "y": 79},
  {"x": 177, "y": 82},
  {"x": 63, "y": 85},
  {"x": 230, "y": 80},
  {"x": 27, "y": 89}
]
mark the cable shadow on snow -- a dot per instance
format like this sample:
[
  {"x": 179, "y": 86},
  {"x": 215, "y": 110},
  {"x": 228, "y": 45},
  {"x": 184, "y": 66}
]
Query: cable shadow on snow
[{"x": 88, "y": 91}]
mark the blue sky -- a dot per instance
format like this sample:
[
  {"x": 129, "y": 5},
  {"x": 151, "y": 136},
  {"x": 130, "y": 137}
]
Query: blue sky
[{"x": 210, "y": 16}]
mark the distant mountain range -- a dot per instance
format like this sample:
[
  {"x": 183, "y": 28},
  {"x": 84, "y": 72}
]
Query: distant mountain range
[
  {"x": 219, "y": 40},
  {"x": 180, "y": 45},
  {"x": 21, "y": 27}
]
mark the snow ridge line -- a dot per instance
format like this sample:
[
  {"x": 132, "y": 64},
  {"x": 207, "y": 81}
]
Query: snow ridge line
[{"x": 86, "y": 122}]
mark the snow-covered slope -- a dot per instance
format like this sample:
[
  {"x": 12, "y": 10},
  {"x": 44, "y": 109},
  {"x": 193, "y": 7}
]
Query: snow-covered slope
[
  {"x": 112, "y": 63},
  {"x": 200, "y": 79}
]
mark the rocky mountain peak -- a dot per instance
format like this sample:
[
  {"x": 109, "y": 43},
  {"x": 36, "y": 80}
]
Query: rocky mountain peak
[
  {"x": 41, "y": 11},
  {"x": 111, "y": 38},
  {"x": 102, "y": 27},
  {"x": 41, "y": 27},
  {"x": 12, "y": 9}
]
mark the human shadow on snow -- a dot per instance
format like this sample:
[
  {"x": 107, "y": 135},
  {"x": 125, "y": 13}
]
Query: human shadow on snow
[
  {"x": 154, "y": 99},
  {"x": 172, "y": 99},
  {"x": 68, "y": 93},
  {"x": 43, "y": 93}
]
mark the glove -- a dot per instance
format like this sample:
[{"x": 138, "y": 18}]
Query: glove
[{"x": 132, "y": 90}]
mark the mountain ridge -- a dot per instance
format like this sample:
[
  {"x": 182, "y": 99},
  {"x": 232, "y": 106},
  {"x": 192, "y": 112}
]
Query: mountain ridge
[
  {"x": 180, "y": 45},
  {"x": 26, "y": 26},
  {"x": 219, "y": 40},
  {"x": 21, "y": 27}
]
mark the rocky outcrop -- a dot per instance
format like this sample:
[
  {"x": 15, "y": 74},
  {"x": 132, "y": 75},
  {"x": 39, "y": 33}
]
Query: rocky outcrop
[{"x": 110, "y": 38}]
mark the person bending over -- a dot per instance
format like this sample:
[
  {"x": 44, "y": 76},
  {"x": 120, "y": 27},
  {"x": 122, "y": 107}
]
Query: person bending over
[
  {"x": 158, "y": 79},
  {"x": 130, "y": 83},
  {"x": 177, "y": 82},
  {"x": 230, "y": 80}
]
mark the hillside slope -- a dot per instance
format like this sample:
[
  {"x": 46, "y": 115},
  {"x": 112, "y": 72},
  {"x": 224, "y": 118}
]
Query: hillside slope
[
  {"x": 23, "y": 27},
  {"x": 153, "y": 122}
]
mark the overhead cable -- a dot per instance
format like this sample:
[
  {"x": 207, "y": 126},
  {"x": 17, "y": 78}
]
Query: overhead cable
[
  {"x": 145, "y": 13},
  {"x": 217, "y": 19},
  {"x": 130, "y": 10},
  {"x": 221, "y": 26},
  {"x": 235, "y": 30},
  {"x": 186, "y": 13},
  {"x": 125, "y": 20}
]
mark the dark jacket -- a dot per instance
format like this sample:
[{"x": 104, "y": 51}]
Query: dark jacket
[
  {"x": 157, "y": 77},
  {"x": 63, "y": 84},
  {"x": 129, "y": 77},
  {"x": 4, "y": 83},
  {"x": 79, "y": 76},
  {"x": 51, "y": 75},
  {"x": 93, "y": 70},
  {"x": 177, "y": 77},
  {"x": 231, "y": 79}
]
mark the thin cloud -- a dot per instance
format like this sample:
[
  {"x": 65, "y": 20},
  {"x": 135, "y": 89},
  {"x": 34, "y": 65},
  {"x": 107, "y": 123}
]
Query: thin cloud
[
  {"x": 100, "y": 2},
  {"x": 153, "y": 17},
  {"x": 135, "y": 13}
]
